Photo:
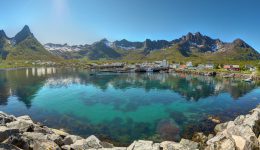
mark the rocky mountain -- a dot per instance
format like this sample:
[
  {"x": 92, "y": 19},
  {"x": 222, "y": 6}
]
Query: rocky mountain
[
  {"x": 3, "y": 41},
  {"x": 24, "y": 46},
  {"x": 102, "y": 49},
  {"x": 188, "y": 45}
]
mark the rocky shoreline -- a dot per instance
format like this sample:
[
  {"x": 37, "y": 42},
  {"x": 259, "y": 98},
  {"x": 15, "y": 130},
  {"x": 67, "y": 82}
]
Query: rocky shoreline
[{"x": 22, "y": 133}]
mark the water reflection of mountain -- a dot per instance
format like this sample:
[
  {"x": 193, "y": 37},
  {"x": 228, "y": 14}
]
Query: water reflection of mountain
[
  {"x": 24, "y": 84},
  {"x": 189, "y": 86}
]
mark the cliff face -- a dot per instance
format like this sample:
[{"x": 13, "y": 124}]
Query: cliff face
[{"x": 22, "y": 133}]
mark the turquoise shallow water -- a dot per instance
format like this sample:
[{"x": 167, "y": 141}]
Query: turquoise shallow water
[{"x": 124, "y": 107}]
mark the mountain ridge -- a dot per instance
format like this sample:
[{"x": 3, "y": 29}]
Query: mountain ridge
[
  {"x": 188, "y": 45},
  {"x": 24, "y": 46}
]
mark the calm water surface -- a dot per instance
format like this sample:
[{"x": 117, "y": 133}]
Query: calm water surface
[{"x": 124, "y": 107}]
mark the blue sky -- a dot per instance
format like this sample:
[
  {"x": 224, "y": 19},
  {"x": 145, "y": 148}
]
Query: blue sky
[{"x": 86, "y": 21}]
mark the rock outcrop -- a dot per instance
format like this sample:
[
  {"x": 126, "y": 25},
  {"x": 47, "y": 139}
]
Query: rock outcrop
[{"x": 18, "y": 133}]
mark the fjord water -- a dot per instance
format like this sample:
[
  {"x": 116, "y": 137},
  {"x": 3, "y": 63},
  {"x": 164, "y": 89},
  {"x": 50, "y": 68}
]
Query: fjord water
[{"x": 123, "y": 107}]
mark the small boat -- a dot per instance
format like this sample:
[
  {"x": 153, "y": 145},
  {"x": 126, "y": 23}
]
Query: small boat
[
  {"x": 248, "y": 80},
  {"x": 149, "y": 70},
  {"x": 229, "y": 76}
]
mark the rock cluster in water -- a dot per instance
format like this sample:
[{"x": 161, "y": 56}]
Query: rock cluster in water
[{"x": 22, "y": 133}]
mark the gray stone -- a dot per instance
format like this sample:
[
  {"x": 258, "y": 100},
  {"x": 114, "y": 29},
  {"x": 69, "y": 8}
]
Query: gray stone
[
  {"x": 106, "y": 145},
  {"x": 241, "y": 143},
  {"x": 224, "y": 144},
  {"x": 243, "y": 133},
  {"x": 59, "y": 132},
  {"x": 35, "y": 136},
  {"x": 80, "y": 144},
  {"x": 21, "y": 125},
  {"x": 201, "y": 139},
  {"x": 189, "y": 144},
  {"x": 45, "y": 145},
  {"x": 4, "y": 118},
  {"x": 169, "y": 145},
  {"x": 239, "y": 120},
  {"x": 216, "y": 138},
  {"x": 93, "y": 142},
  {"x": 70, "y": 139},
  {"x": 142, "y": 145},
  {"x": 114, "y": 148},
  {"x": 65, "y": 147},
  {"x": 42, "y": 129},
  {"x": 19, "y": 141},
  {"x": 6, "y": 132},
  {"x": 55, "y": 138},
  {"x": 223, "y": 126},
  {"x": 90, "y": 143},
  {"x": 131, "y": 146},
  {"x": 4, "y": 146},
  {"x": 25, "y": 118}
]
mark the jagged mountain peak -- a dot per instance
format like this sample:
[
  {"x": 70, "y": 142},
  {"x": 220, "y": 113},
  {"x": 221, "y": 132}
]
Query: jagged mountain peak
[
  {"x": 240, "y": 43},
  {"x": 23, "y": 34},
  {"x": 2, "y": 34}
]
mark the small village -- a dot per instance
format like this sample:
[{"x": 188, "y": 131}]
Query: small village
[{"x": 163, "y": 66}]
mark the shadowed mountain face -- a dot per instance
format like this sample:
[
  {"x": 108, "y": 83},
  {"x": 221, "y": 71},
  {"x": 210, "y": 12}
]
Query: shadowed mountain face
[{"x": 188, "y": 45}]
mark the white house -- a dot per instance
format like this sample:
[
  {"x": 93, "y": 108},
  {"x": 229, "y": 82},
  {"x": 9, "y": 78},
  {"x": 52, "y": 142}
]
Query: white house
[
  {"x": 189, "y": 64},
  {"x": 209, "y": 66},
  {"x": 175, "y": 66}
]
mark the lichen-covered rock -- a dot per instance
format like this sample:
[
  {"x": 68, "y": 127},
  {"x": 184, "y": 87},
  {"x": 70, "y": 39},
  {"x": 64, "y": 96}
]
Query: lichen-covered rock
[
  {"x": 25, "y": 118},
  {"x": 90, "y": 143},
  {"x": 243, "y": 133},
  {"x": 42, "y": 129},
  {"x": 21, "y": 125},
  {"x": 253, "y": 120},
  {"x": 59, "y": 132},
  {"x": 189, "y": 144},
  {"x": 200, "y": 138},
  {"x": 144, "y": 145},
  {"x": 114, "y": 148},
  {"x": 46, "y": 145},
  {"x": 241, "y": 143},
  {"x": 34, "y": 136},
  {"x": 169, "y": 145},
  {"x": 93, "y": 142},
  {"x": 224, "y": 144},
  {"x": 65, "y": 147},
  {"x": 222, "y": 126}
]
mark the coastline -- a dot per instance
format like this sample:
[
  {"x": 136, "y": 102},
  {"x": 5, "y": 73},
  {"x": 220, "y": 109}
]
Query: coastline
[{"x": 22, "y": 133}]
